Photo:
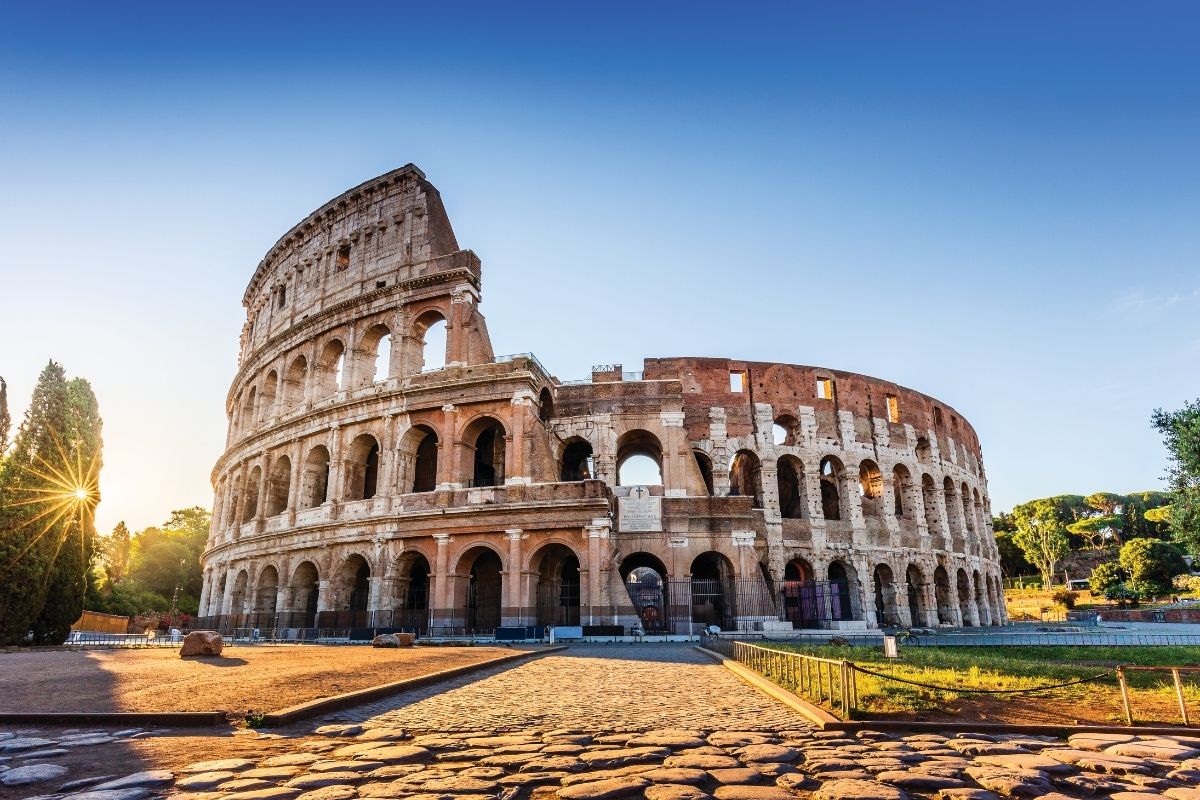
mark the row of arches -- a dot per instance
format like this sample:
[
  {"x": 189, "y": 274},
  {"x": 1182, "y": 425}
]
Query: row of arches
[
  {"x": 332, "y": 367},
  {"x": 361, "y": 471}
]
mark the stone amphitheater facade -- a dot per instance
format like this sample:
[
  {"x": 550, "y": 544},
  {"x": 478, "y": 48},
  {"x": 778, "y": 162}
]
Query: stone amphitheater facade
[{"x": 371, "y": 480}]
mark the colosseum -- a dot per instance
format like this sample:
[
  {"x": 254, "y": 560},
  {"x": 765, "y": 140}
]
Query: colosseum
[{"x": 385, "y": 470}]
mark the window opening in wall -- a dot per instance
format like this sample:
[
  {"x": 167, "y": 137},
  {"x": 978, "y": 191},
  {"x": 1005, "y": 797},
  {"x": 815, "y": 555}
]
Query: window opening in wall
[
  {"x": 779, "y": 434},
  {"x": 380, "y": 284},
  {"x": 383, "y": 358},
  {"x": 281, "y": 297},
  {"x": 737, "y": 381},
  {"x": 577, "y": 461},
  {"x": 824, "y": 388},
  {"x": 706, "y": 471},
  {"x": 343, "y": 257},
  {"x": 639, "y": 459},
  {"x": 937, "y": 416},
  {"x": 434, "y": 351},
  {"x": 831, "y": 478},
  {"x": 489, "y": 456},
  {"x": 893, "y": 408}
]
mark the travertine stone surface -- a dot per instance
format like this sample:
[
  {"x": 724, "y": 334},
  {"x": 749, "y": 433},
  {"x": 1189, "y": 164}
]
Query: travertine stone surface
[{"x": 362, "y": 487}]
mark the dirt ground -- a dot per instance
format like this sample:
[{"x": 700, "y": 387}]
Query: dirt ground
[
  {"x": 1100, "y": 705},
  {"x": 246, "y": 678}
]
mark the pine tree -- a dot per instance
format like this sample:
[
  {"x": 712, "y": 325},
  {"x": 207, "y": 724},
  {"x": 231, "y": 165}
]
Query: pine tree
[
  {"x": 39, "y": 512},
  {"x": 66, "y": 584},
  {"x": 5, "y": 418}
]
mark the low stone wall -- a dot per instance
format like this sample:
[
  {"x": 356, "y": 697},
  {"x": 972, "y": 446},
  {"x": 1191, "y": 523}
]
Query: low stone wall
[{"x": 1151, "y": 615}]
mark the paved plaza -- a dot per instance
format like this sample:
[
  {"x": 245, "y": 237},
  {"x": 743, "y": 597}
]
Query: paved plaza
[{"x": 644, "y": 722}]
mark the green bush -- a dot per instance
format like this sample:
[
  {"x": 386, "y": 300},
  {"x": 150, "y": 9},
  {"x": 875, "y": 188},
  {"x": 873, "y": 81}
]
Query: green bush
[{"x": 1152, "y": 565}]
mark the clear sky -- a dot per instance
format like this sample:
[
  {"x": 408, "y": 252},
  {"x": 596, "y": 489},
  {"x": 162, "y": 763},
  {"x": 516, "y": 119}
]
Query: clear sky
[{"x": 993, "y": 203}]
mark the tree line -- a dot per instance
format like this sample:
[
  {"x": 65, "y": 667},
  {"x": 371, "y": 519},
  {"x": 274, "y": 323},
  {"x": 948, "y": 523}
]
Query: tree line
[{"x": 1149, "y": 531}]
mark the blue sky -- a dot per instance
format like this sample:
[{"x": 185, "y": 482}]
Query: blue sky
[{"x": 993, "y": 203}]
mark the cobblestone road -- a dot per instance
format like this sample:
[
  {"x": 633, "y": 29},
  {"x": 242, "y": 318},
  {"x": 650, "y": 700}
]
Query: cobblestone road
[
  {"x": 595, "y": 687},
  {"x": 615, "y": 723}
]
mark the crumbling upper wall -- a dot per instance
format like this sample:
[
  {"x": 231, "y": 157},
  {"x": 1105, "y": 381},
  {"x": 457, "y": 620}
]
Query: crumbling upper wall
[
  {"x": 706, "y": 384},
  {"x": 391, "y": 229}
]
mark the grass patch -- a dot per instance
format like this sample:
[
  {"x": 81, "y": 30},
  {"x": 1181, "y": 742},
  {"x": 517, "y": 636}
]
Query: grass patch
[{"x": 959, "y": 669}]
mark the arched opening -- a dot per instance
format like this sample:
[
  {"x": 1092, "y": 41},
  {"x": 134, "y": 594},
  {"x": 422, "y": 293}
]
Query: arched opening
[
  {"x": 250, "y": 410},
  {"x": 941, "y": 591},
  {"x": 793, "y": 493},
  {"x": 411, "y": 601},
  {"x": 355, "y": 591},
  {"x": 968, "y": 509},
  {"x": 901, "y": 487},
  {"x": 964, "y": 596},
  {"x": 250, "y": 509},
  {"x": 489, "y": 453},
  {"x": 745, "y": 477},
  {"x": 831, "y": 487},
  {"x": 712, "y": 591},
  {"x": 557, "y": 585},
  {"x": 929, "y": 501},
  {"x": 842, "y": 582},
  {"x": 268, "y": 591},
  {"x": 952, "y": 506},
  {"x": 870, "y": 486},
  {"x": 377, "y": 343},
  {"x": 915, "y": 581},
  {"x": 981, "y": 605},
  {"x": 279, "y": 486},
  {"x": 425, "y": 458},
  {"x": 577, "y": 464},
  {"x": 646, "y": 582},
  {"x": 237, "y": 599},
  {"x": 484, "y": 586},
  {"x": 785, "y": 431},
  {"x": 704, "y": 463},
  {"x": 329, "y": 368},
  {"x": 545, "y": 405},
  {"x": 293, "y": 383},
  {"x": 924, "y": 451},
  {"x": 362, "y": 468},
  {"x": 430, "y": 332},
  {"x": 639, "y": 459},
  {"x": 993, "y": 603},
  {"x": 887, "y": 607},
  {"x": 268, "y": 397},
  {"x": 305, "y": 590},
  {"x": 800, "y": 595},
  {"x": 219, "y": 597},
  {"x": 314, "y": 478}
]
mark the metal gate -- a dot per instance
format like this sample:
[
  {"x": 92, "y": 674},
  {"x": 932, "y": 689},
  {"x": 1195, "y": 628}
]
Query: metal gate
[
  {"x": 811, "y": 604},
  {"x": 713, "y": 603},
  {"x": 483, "y": 606},
  {"x": 650, "y": 604},
  {"x": 557, "y": 603}
]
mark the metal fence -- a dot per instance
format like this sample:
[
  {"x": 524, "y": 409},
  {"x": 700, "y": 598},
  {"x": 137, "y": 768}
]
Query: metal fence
[{"x": 825, "y": 681}]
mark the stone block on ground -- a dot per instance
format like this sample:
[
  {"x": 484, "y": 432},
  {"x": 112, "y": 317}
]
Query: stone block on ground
[{"x": 202, "y": 643}]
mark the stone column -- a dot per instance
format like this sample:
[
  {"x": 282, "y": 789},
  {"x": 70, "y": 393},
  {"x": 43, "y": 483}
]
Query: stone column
[
  {"x": 518, "y": 470},
  {"x": 674, "y": 468},
  {"x": 513, "y": 600},
  {"x": 440, "y": 601},
  {"x": 447, "y": 465},
  {"x": 205, "y": 591},
  {"x": 295, "y": 481},
  {"x": 597, "y": 538}
]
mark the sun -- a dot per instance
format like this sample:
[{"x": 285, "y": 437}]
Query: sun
[{"x": 69, "y": 491}]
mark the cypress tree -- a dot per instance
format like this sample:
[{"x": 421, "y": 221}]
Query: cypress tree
[
  {"x": 5, "y": 418},
  {"x": 66, "y": 584},
  {"x": 38, "y": 512}
]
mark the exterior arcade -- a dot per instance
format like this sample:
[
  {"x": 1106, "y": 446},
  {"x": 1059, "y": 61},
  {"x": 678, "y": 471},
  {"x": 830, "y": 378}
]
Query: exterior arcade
[{"x": 385, "y": 469}]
